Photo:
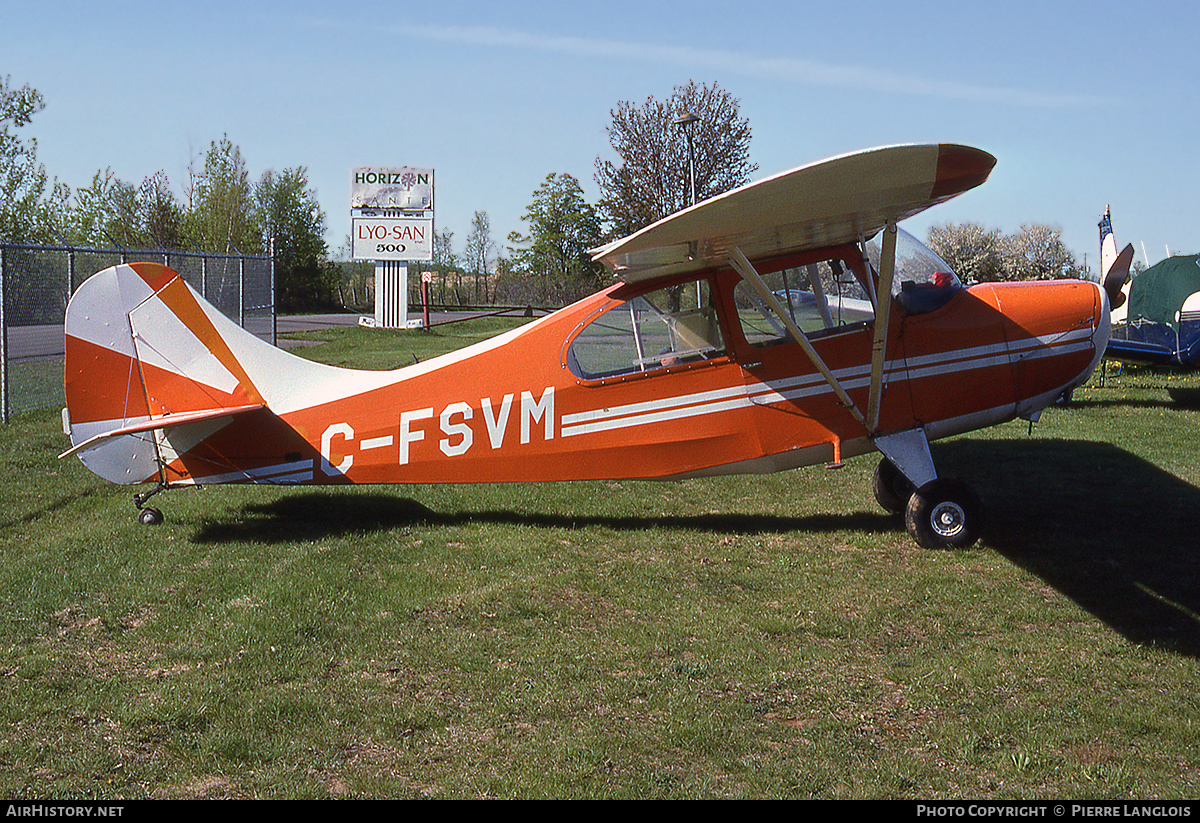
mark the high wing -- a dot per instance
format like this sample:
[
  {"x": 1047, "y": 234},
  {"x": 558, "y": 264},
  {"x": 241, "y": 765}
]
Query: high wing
[
  {"x": 842, "y": 200},
  {"x": 846, "y": 199}
]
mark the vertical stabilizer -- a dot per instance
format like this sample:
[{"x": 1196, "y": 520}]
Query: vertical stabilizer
[
  {"x": 1114, "y": 265},
  {"x": 142, "y": 357},
  {"x": 161, "y": 386}
]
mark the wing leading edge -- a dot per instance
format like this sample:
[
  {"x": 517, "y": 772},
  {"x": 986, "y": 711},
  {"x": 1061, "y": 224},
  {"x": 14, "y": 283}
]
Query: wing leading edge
[{"x": 840, "y": 200}]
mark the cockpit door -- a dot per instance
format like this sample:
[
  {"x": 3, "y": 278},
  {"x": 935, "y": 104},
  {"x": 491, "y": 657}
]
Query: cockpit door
[{"x": 820, "y": 381}]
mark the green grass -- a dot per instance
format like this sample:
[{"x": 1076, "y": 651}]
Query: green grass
[
  {"x": 771, "y": 636},
  {"x": 35, "y": 385},
  {"x": 366, "y": 348}
]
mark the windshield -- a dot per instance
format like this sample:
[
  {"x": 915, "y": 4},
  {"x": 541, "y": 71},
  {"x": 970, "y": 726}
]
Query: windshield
[{"x": 923, "y": 281}]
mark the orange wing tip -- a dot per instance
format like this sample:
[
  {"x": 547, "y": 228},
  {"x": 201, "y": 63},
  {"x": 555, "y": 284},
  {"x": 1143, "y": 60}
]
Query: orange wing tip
[{"x": 960, "y": 168}]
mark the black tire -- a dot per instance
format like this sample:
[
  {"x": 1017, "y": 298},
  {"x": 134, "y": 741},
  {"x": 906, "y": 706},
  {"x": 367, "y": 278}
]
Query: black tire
[
  {"x": 891, "y": 487},
  {"x": 944, "y": 514},
  {"x": 150, "y": 516}
]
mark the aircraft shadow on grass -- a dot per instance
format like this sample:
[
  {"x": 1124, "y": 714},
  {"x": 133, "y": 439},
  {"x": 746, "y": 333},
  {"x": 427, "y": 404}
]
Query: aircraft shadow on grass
[
  {"x": 1109, "y": 530},
  {"x": 328, "y": 514},
  {"x": 1177, "y": 397}
]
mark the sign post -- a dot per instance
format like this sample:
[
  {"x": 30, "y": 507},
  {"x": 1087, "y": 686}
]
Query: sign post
[
  {"x": 426, "y": 279},
  {"x": 391, "y": 223}
]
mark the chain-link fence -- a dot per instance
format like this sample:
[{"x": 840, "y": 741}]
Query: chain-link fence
[{"x": 36, "y": 282}]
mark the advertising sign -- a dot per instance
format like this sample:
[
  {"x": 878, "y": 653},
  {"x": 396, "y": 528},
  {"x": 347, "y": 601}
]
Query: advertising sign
[
  {"x": 391, "y": 238},
  {"x": 391, "y": 188}
]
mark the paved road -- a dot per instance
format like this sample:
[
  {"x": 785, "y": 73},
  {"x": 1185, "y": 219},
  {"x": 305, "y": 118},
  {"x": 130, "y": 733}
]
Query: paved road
[
  {"x": 27, "y": 343},
  {"x": 311, "y": 322},
  {"x": 35, "y": 343}
]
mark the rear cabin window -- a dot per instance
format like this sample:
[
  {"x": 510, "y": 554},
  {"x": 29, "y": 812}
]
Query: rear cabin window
[
  {"x": 667, "y": 327},
  {"x": 818, "y": 297}
]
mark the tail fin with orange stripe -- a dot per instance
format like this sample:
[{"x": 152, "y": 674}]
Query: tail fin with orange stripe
[{"x": 156, "y": 379}]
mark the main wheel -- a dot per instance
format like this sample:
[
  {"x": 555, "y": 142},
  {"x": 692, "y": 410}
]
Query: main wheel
[
  {"x": 944, "y": 514},
  {"x": 891, "y": 487}
]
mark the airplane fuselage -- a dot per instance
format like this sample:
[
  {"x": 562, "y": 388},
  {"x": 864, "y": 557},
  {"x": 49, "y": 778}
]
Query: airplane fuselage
[{"x": 519, "y": 412}]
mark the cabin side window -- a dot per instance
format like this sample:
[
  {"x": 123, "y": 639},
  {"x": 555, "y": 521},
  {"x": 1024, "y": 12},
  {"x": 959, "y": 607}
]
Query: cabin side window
[
  {"x": 663, "y": 328},
  {"x": 817, "y": 297}
]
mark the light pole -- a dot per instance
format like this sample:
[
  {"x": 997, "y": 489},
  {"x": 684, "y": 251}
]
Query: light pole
[{"x": 686, "y": 121}]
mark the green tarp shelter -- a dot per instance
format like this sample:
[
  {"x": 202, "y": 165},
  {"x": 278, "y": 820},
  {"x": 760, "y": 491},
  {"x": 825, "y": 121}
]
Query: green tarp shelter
[{"x": 1157, "y": 294}]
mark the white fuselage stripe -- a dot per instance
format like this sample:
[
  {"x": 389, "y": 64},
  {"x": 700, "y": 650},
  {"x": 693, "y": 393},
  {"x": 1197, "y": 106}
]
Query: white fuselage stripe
[
  {"x": 809, "y": 385},
  {"x": 293, "y": 472}
]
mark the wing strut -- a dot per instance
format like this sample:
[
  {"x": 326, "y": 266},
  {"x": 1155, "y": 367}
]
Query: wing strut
[
  {"x": 748, "y": 273},
  {"x": 883, "y": 313},
  {"x": 814, "y": 279},
  {"x": 907, "y": 450}
]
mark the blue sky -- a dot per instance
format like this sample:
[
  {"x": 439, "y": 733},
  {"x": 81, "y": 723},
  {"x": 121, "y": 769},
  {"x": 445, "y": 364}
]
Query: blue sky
[{"x": 1083, "y": 104}]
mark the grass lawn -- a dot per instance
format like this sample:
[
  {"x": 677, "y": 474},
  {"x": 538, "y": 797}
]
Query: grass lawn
[{"x": 744, "y": 637}]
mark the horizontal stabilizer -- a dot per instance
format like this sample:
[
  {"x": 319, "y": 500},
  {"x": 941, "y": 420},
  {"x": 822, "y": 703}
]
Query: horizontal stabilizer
[{"x": 161, "y": 422}]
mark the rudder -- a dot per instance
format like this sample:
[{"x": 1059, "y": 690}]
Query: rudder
[{"x": 143, "y": 356}]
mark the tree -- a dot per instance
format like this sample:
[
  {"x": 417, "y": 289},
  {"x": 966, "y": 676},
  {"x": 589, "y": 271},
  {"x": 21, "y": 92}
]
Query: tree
[
  {"x": 444, "y": 260},
  {"x": 443, "y": 250},
  {"x": 221, "y": 218},
  {"x": 650, "y": 179},
  {"x": 973, "y": 252},
  {"x": 481, "y": 249},
  {"x": 105, "y": 212},
  {"x": 1036, "y": 252},
  {"x": 30, "y": 206},
  {"x": 288, "y": 212},
  {"x": 562, "y": 228},
  {"x": 160, "y": 214},
  {"x": 109, "y": 211}
]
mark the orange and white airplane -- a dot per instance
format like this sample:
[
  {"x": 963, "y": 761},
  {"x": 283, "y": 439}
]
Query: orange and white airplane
[{"x": 783, "y": 324}]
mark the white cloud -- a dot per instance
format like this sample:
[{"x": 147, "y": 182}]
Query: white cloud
[{"x": 781, "y": 69}]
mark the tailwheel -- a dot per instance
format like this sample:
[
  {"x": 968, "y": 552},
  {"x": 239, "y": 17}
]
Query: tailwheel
[
  {"x": 944, "y": 514},
  {"x": 892, "y": 489},
  {"x": 150, "y": 516}
]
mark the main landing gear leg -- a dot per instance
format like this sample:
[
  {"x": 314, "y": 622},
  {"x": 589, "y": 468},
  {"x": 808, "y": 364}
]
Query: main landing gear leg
[
  {"x": 148, "y": 515},
  {"x": 939, "y": 513}
]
